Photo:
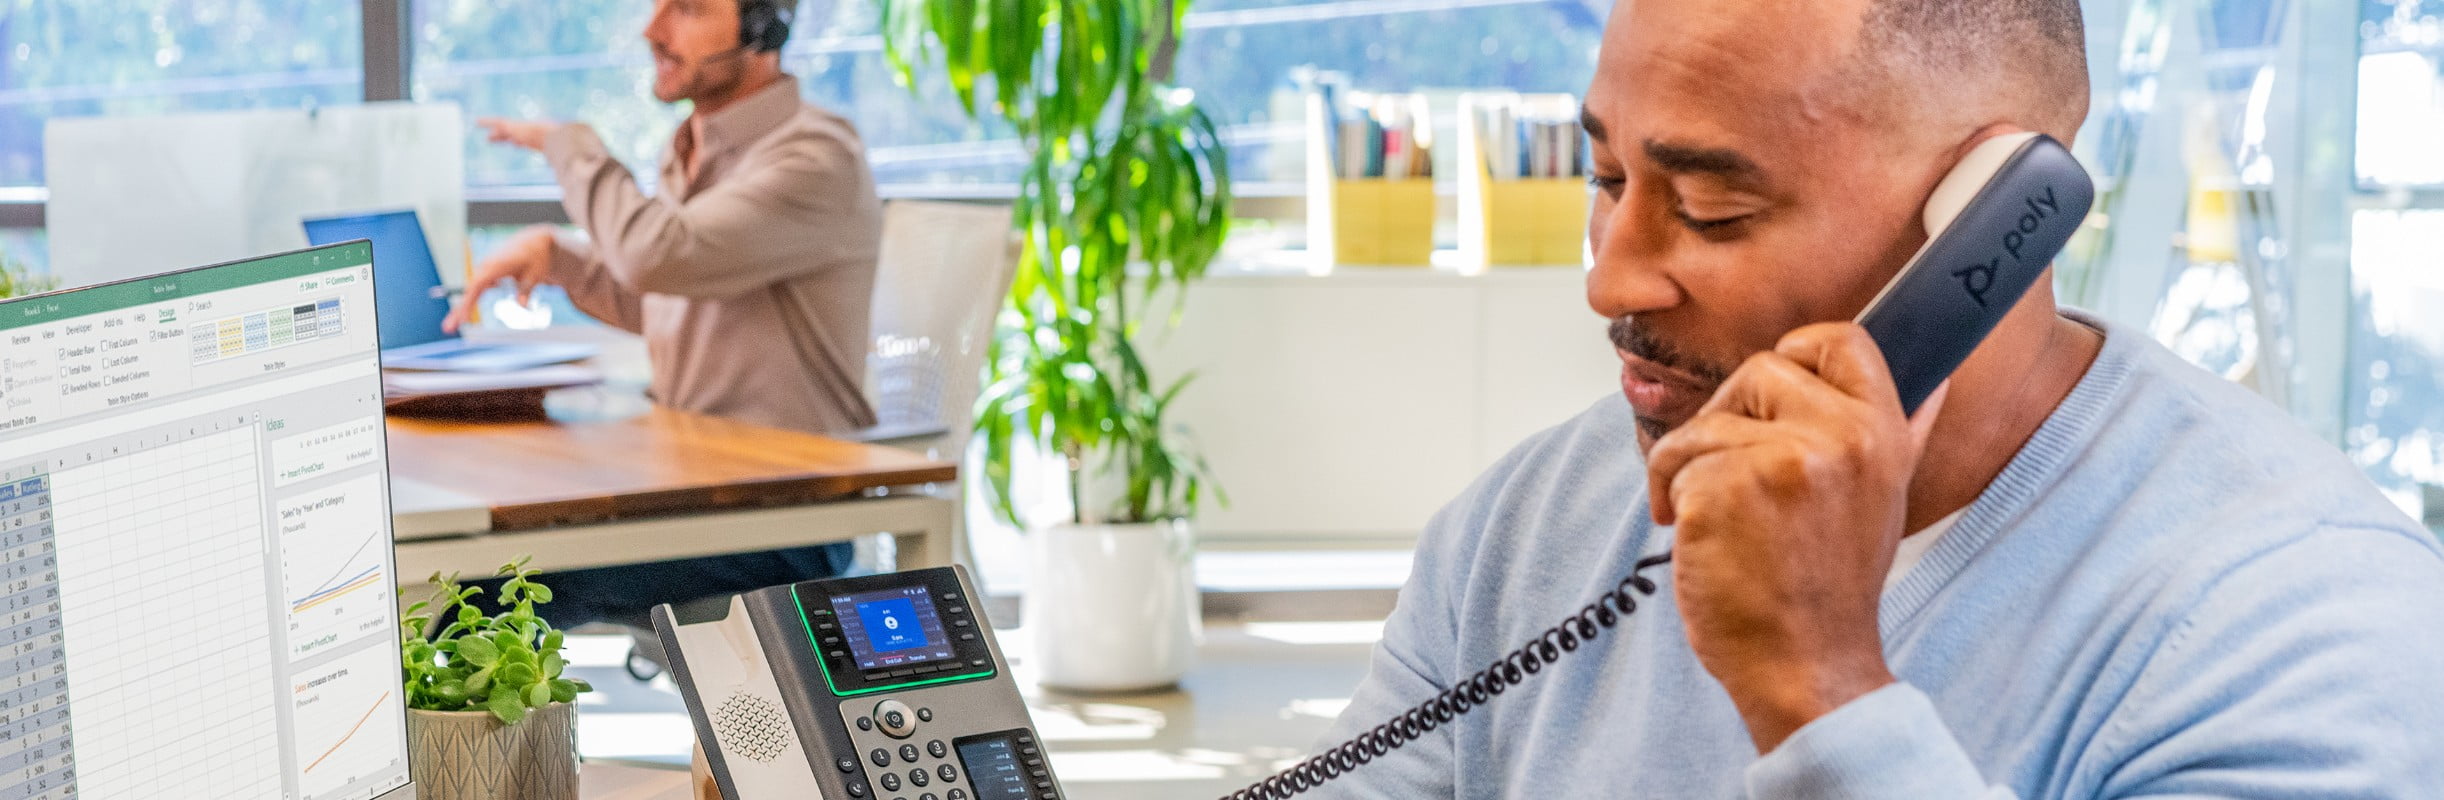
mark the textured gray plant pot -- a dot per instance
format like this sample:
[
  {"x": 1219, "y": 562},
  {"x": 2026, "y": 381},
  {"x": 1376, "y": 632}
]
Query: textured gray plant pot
[{"x": 468, "y": 755}]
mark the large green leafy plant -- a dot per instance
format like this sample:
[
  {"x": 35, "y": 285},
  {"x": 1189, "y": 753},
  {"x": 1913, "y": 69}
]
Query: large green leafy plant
[
  {"x": 506, "y": 665},
  {"x": 1126, "y": 194}
]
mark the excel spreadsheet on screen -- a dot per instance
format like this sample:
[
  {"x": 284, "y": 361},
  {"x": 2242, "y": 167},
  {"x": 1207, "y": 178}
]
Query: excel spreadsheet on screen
[{"x": 195, "y": 543}]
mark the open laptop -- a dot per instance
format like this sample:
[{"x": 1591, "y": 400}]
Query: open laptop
[
  {"x": 414, "y": 302},
  {"x": 195, "y": 527}
]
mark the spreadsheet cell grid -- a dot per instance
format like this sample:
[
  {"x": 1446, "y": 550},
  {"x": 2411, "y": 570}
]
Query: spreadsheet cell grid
[{"x": 36, "y": 762}]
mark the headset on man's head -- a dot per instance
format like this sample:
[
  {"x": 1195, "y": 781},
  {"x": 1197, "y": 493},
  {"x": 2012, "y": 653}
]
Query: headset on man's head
[{"x": 763, "y": 25}]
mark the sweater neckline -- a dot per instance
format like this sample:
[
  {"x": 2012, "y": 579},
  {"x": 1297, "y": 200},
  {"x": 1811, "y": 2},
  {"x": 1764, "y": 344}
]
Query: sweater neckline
[{"x": 2038, "y": 465}]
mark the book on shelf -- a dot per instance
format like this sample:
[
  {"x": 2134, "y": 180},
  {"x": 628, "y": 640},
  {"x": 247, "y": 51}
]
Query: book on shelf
[
  {"x": 1523, "y": 137},
  {"x": 1367, "y": 136}
]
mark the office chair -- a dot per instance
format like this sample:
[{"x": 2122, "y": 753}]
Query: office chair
[{"x": 942, "y": 278}]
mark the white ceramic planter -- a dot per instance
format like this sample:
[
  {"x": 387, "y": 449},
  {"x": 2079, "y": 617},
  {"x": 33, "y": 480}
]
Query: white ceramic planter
[{"x": 1112, "y": 608}]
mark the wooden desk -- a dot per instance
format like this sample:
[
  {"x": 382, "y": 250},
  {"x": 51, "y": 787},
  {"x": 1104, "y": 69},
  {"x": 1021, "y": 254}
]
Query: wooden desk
[{"x": 662, "y": 484}]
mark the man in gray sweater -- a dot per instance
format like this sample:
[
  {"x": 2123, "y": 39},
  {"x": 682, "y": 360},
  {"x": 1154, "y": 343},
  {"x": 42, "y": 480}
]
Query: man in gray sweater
[{"x": 2090, "y": 570}]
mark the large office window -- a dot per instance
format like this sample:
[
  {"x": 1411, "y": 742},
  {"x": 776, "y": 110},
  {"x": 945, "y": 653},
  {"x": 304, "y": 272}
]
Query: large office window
[
  {"x": 584, "y": 59},
  {"x": 2396, "y": 388},
  {"x": 2272, "y": 228},
  {"x": 60, "y": 58},
  {"x": 568, "y": 59}
]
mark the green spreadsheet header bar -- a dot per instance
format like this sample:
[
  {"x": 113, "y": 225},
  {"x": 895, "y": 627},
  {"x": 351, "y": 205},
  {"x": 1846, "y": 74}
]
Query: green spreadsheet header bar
[{"x": 108, "y": 297}]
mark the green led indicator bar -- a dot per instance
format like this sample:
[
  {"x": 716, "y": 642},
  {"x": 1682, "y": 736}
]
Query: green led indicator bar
[{"x": 817, "y": 645}]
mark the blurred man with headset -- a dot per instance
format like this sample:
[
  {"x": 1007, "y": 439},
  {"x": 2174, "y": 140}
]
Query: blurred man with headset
[{"x": 750, "y": 271}]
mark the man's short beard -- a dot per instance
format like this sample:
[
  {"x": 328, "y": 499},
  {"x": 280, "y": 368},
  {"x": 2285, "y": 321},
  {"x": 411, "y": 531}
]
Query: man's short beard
[
  {"x": 1654, "y": 429},
  {"x": 700, "y": 79},
  {"x": 1637, "y": 341}
]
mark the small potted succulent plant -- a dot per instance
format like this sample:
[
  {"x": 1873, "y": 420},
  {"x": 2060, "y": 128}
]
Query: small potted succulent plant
[{"x": 490, "y": 714}]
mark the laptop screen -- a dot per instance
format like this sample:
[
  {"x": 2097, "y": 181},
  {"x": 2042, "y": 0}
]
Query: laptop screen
[{"x": 404, "y": 279}]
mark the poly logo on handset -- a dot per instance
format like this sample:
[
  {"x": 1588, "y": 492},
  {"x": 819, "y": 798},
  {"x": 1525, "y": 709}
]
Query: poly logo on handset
[
  {"x": 2030, "y": 222},
  {"x": 1977, "y": 279}
]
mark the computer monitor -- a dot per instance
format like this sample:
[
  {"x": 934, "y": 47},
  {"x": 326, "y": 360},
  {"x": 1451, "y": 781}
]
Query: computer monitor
[
  {"x": 407, "y": 282},
  {"x": 195, "y": 539}
]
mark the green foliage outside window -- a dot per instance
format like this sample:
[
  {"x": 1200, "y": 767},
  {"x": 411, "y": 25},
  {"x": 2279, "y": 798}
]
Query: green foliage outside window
[{"x": 18, "y": 280}]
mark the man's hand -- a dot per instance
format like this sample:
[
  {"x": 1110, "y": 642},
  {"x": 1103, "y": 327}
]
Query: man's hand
[
  {"x": 700, "y": 778},
  {"x": 521, "y": 133},
  {"x": 526, "y": 259},
  {"x": 1789, "y": 489}
]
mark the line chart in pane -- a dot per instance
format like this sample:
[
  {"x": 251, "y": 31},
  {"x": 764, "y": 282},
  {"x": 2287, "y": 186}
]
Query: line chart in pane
[
  {"x": 332, "y": 566},
  {"x": 348, "y": 723}
]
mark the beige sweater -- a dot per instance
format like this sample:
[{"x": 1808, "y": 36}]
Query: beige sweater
[{"x": 752, "y": 279}]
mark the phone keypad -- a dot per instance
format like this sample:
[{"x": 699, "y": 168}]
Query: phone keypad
[{"x": 912, "y": 766}]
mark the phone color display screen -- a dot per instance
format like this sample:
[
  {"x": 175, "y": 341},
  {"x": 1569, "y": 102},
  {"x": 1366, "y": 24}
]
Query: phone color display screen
[{"x": 893, "y": 627}]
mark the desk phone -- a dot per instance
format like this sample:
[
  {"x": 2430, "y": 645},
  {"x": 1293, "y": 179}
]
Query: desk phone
[{"x": 880, "y": 686}]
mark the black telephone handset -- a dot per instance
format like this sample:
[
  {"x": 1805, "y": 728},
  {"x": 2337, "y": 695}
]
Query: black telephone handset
[{"x": 1994, "y": 224}]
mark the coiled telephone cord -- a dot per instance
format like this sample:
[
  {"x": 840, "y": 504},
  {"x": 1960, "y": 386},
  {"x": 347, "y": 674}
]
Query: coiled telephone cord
[{"x": 1511, "y": 670}]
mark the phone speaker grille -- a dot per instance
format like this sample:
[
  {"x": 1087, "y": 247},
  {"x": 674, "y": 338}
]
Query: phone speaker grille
[{"x": 752, "y": 727}]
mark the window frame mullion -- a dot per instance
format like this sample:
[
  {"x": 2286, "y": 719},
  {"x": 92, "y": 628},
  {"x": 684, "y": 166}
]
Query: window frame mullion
[{"x": 389, "y": 49}]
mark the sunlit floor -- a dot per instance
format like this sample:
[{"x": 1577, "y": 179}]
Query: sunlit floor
[{"x": 1260, "y": 694}]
